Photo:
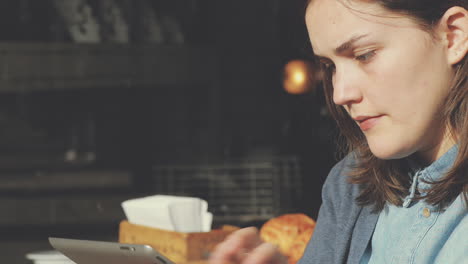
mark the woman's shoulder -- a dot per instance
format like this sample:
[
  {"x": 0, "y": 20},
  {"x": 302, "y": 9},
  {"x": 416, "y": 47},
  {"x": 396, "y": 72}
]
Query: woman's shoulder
[
  {"x": 340, "y": 171},
  {"x": 337, "y": 183}
]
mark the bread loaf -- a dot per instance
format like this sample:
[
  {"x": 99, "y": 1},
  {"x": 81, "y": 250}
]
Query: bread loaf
[{"x": 290, "y": 232}]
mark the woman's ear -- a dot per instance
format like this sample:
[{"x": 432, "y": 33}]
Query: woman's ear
[{"x": 453, "y": 27}]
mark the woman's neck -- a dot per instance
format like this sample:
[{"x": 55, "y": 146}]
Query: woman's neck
[{"x": 433, "y": 153}]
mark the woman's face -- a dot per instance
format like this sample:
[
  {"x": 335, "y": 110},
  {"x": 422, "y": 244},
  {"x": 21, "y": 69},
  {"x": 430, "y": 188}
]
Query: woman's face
[{"x": 391, "y": 76}]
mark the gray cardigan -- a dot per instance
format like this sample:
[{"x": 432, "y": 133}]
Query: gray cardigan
[{"x": 343, "y": 228}]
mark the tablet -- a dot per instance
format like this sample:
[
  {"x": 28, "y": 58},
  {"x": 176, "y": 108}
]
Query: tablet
[{"x": 99, "y": 252}]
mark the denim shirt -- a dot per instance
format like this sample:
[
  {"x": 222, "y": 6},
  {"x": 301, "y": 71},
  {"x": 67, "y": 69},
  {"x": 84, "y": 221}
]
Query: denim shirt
[
  {"x": 418, "y": 232},
  {"x": 344, "y": 228}
]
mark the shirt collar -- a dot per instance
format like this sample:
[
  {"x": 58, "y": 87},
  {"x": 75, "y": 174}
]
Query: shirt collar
[
  {"x": 436, "y": 169},
  {"x": 422, "y": 177}
]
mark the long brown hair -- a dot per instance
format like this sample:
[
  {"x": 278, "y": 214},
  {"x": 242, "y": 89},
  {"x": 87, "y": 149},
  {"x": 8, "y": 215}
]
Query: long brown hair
[{"x": 387, "y": 180}]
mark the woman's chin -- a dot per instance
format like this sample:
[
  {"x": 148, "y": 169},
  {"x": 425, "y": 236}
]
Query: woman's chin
[{"x": 389, "y": 152}]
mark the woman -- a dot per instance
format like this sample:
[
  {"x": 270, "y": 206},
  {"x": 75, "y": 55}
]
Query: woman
[{"x": 396, "y": 84}]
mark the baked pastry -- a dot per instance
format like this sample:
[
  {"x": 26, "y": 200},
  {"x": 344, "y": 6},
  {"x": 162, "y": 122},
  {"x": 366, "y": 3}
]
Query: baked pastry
[
  {"x": 290, "y": 232},
  {"x": 297, "y": 248}
]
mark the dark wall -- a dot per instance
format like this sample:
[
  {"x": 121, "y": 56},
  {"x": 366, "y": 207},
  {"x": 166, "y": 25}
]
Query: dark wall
[{"x": 242, "y": 112}]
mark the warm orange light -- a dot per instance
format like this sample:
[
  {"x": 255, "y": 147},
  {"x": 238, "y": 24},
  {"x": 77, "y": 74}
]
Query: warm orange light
[{"x": 298, "y": 77}]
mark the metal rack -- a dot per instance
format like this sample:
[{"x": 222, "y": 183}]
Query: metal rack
[{"x": 236, "y": 191}]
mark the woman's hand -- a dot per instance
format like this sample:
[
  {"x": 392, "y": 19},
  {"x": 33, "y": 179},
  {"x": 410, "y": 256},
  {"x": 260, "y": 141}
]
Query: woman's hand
[{"x": 246, "y": 247}]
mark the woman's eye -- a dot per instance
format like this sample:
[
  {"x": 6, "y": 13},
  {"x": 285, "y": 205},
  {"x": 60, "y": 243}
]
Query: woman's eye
[{"x": 366, "y": 56}]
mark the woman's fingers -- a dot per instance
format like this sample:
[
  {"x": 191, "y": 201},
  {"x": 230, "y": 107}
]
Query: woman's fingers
[
  {"x": 266, "y": 253},
  {"x": 246, "y": 247},
  {"x": 236, "y": 246}
]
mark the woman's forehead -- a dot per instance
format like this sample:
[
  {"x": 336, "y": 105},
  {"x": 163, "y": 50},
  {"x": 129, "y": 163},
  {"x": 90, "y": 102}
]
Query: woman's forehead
[{"x": 331, "y": 22}]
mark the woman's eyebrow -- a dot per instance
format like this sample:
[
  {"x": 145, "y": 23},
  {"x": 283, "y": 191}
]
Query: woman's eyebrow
[
  {"x": 346, "y": 46},
  {"x": 349, "y": 44}
]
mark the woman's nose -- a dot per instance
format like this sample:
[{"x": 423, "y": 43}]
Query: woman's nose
[{"x": 346, "y": 88}]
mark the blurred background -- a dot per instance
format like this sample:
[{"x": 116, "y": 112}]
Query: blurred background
[{"x": 106, "y": 100}]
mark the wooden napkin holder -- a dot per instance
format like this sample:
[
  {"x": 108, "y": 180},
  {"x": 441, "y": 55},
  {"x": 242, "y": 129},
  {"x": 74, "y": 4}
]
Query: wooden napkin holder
[{"x": 179, "y": 247}]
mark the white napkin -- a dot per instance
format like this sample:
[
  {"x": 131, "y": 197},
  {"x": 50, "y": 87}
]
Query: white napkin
[
  {"x": 175, "y": 213},
  {"x": 48, "y": 257}
]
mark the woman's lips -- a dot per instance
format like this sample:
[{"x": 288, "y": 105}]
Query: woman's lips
[{"x": 367, "y": 122}]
